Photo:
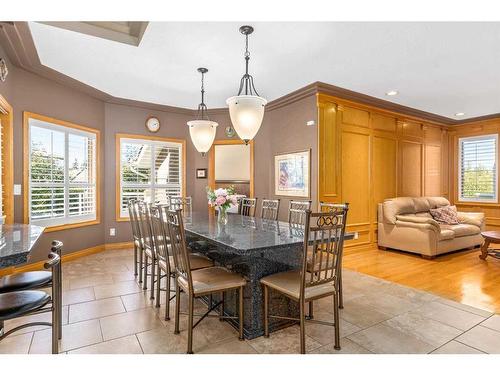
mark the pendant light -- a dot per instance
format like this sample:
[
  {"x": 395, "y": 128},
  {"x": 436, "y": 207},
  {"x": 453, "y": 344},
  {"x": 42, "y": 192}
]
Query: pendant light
[
  {"x": 202, "y": 130},
  {"x": 247, "y": 108}
]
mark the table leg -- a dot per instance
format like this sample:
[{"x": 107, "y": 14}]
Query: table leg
[{"x": 484, "y": 249}]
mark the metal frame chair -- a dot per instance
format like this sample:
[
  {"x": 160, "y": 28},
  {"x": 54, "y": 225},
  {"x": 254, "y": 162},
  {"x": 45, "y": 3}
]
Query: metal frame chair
[
  {"x": 297, "y": 212},
  {"x": 270, "y": 209},
  {"x": 136, "y": 235},
  {"x": 31, "y": 302},
  {"x": 199, "y": 283},
  {"x": 324, "y": 231},
  {"x": 327, "y": 207},
  {"x": 148, "y": 246},
  {"x": 248, "y": 207},
  {"x": 184, "y": 203}
]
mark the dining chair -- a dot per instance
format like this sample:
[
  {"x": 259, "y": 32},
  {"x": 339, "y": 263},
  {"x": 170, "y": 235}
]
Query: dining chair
[
  {"x": 248, "y": 207},
  {"x": 148, "y": 245},
  {"x": 184, "y": 203},
  {"x": 136, "y": 235},
  {"x": 165, "y": 266},
  {"x": 327, "y": 207},
  {"x": 199, "y": 283},
  {"x": 270, "y": 209},
  {"x": 15, "y": 304},
  {"x": 324, "y": 231},
  {"x": 297, "y": 212}
]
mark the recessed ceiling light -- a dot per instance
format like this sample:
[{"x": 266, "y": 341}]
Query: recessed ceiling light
[
  {"x": 392, "y": 93},
  {"x": 460, "y": 114}
]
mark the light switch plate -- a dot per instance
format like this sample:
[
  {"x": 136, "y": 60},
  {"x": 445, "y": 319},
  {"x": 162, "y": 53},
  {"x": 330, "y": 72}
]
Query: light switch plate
[
  {"x": 112, "y": 231},
  {"x": 17, "y": 189}
]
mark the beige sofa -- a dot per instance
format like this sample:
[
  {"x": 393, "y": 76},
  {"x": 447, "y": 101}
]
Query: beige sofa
[{"x": 406, "y": 224}]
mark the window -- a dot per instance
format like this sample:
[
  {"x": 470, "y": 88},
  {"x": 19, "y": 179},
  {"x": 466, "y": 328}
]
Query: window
[
  {"x": 150, "y": 168},
  {"x": 478, "y": 168},
  {"x": 62, "y": 172}
]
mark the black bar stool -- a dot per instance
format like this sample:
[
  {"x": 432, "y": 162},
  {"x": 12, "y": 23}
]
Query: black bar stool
[{"x": 18, "y": 303}]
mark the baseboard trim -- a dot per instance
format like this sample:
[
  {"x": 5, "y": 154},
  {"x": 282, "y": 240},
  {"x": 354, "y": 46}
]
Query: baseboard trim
[{"x": 37, "y": 266}]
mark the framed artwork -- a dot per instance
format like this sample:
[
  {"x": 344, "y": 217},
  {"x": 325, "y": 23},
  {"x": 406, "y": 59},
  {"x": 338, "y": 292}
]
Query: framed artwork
[
  {"x": 201, "y": 173},
  {"x": 292, "y": 174}
]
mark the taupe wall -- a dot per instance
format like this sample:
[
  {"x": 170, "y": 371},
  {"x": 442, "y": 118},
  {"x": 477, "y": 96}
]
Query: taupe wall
[
  {"x": 290, "y": 133},
  {"x": 283, "y": 130},
  {"x": 28, "y": 92}
]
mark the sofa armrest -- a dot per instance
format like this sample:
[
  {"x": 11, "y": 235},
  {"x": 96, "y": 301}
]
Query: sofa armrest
[
  {"x": 418, "y": 222},
  {"x": 473, "y": 218}
]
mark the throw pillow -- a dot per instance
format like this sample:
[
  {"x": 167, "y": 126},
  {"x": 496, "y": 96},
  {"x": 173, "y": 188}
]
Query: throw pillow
[{"x": 445, "y": 215}]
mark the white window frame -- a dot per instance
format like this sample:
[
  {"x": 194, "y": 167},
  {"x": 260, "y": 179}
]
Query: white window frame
[
  {"x": 67, "y": 219},
  {"x": 123, "y": 212},
  {"x": 479, "y": 137}
]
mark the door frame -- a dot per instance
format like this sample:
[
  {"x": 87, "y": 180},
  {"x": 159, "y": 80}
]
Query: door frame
[
  {"x": 6, "y": 115},
  {"x": 211, "y": 161}
]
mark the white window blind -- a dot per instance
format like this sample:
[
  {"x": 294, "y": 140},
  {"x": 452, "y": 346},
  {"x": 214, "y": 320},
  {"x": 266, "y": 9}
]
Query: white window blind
[
  {"x": 478, "y": 168},
  {"x": 62, "y": 176},
  {"x": 149, "y": 170}
]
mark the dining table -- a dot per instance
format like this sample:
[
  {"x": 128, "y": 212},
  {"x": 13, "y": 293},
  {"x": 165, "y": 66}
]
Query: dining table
[
  {"x": 254, "y": 248},
  {"x": 16, "y": 243}
]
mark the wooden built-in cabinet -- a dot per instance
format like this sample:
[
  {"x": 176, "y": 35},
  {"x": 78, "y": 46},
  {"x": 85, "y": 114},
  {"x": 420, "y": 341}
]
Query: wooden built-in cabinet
[{"x": 367, "y": 155}]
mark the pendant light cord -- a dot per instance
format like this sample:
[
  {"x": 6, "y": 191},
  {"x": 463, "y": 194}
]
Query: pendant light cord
[
  {"x": 202, "y": 108},
  {"x": 247, "y": 80}
]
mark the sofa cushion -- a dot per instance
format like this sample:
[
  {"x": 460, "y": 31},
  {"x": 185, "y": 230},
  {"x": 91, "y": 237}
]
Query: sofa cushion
[
  {"x": 461, "y": 230},
  {"x": 436, "y": 202},
  {"x": 397, "y": 206},
  {"x": 445, "y": 215},
  {"x": 421, "y": 204},
  {"x": 446, "y": 234}
]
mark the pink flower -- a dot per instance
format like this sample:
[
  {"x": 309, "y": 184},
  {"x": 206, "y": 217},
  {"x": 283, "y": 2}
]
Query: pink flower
[{"x": 220, "y": 200}]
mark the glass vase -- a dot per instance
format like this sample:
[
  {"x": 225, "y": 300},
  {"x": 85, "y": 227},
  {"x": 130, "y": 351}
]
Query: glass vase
[{"x": 222, "y": 216}]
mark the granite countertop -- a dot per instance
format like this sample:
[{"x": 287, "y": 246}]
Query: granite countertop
[
  {"x": 16, "y": 242},
  {"x": 245, "y": 233}
]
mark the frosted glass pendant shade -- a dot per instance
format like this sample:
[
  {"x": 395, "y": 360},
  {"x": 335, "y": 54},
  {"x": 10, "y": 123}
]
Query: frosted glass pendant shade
[
  {"x": 247, "y": 112},
  {"x": 202, "y": 134}
]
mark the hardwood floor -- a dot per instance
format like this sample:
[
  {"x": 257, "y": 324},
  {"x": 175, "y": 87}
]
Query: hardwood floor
[{"x": 459, "y": 276}]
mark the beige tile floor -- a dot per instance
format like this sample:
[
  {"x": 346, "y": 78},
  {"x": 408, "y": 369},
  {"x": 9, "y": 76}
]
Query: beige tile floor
[{"x": 106, "y": 311}]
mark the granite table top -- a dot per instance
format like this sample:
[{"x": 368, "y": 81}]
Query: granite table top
[
  {"x": 244, "y": 234},
  {"x": 16, "y": 242}
]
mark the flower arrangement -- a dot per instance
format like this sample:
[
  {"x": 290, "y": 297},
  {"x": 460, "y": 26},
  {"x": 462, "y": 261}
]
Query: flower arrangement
[{"x": 222, "y": 199}]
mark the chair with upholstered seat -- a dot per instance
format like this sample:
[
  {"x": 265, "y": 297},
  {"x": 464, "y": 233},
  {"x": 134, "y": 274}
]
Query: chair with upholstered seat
[
  {"x": 165, "y": 262},
  {"x": 270, "y": 209},
  {"x": 18, "y": 303},
  {"x": 297, "y": 212},
  {"x": 247, "y": 207},
  {"x": 199, "y": 283},
  {"x": 136, "y": 236},
  {"x": 324, "y": 232}
]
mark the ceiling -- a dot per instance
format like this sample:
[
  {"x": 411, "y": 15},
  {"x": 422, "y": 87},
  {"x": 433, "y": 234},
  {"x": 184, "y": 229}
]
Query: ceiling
[{"x": 441, "y": 68}]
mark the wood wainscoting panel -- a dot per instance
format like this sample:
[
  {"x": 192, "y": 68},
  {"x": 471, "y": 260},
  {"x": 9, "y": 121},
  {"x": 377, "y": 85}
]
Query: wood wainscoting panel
[
  {"x": 384, "y": 170},
  {"x": 386, "y": 123},
  {"x": 353, "y": 116},
  {"x": 328, "y": 151},
  {"x": 356, "y": 176},
  {"x": 411, "y": 169},
  {"x": 432, "y": 178}
]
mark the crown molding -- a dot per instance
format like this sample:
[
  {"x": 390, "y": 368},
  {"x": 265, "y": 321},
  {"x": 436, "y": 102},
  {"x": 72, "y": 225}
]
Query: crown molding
[{"x": 18, "y": 43}]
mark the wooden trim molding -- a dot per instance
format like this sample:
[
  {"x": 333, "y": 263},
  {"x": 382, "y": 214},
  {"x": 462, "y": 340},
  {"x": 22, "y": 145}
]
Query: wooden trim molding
[
  {"x": 7, "y": 118},
  {"x": 36, "y": 266},
  {"x": 118, "y": 187},
  {"x": 30, "y": 115},
  {"x": 211, "y": 162}
]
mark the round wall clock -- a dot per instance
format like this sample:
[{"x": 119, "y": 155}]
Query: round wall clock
[{"x": 153, "y": 124}]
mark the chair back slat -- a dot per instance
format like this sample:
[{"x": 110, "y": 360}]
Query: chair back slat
[
  {"x": 178, "y": 246},
  {"x": 134, "y": 222},
  {"x": 144, "y": 210},
  {"x": 248, "y": 207},
  {"x": 297, "y": 212},
  {"x": 270, "y": 209},
  {"x": 183, "y": 203},
  {"x": 158, "y": 231},
  {"x": 324, "y": 237}
]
